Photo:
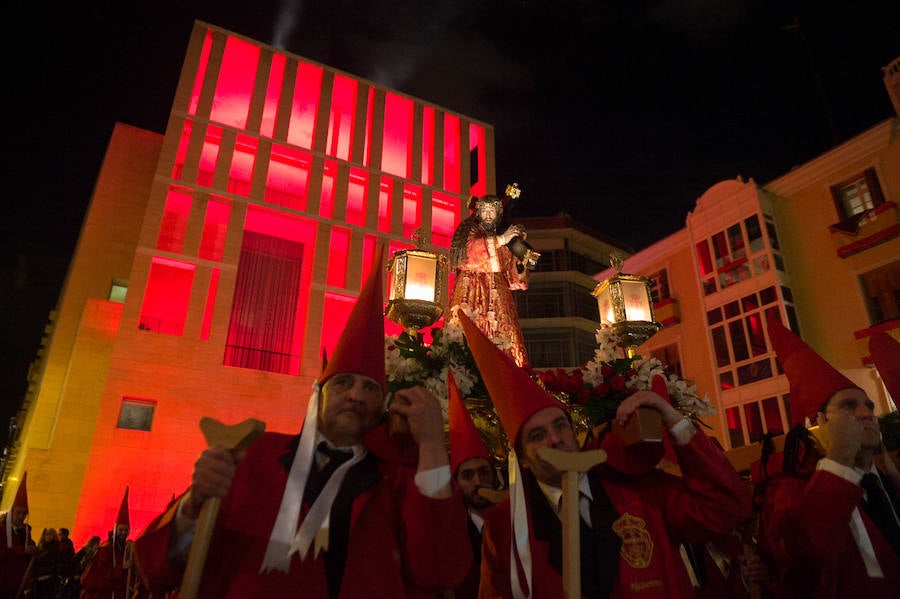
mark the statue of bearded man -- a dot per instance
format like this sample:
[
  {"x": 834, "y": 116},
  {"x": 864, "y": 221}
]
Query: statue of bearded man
[{"x": 486, "y": 274}]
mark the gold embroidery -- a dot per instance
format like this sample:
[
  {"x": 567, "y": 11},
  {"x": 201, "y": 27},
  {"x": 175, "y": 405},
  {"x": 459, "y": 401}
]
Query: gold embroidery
[{"x": 637, "y": 546}]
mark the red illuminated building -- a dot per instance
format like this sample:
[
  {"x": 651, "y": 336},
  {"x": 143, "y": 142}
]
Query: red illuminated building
[{"x": 217, "y": 261}]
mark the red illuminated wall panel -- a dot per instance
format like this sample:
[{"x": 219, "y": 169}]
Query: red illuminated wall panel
[
  {"x": 209, "y": 156},
  {"x": 370, "y": 122},
  {"x": 338, "y": 256},
  {"x": 273, "y": 95},
  {"x": 201, "y": 73},
  {"x": 479, "y": 169},
  {"x": 287, "y": 179},
  {"x": 451, "y": 153},
  {"x": 306, "y": 102},
  {"x": 181, "y": 154},
  {"x": 210, "y": 303},
  {"x": 174, "y": 220},
  {"x": 234, "y": 87},
  {"x": 385, "y": 190},
  {"x": 412, "y": 209},
  {"x": 336, "y": 309},
  {"x": 340, "y": 124},
  {"x": 428, "y": 146},
  {"x": 329, "y": 179},
  {"x": 215, "y": 226},
  {"x": 166, "y": 298},
  {"x": 444, "y": 218},
  {"x": 242, "y": 162},
  {"x": 370, "y": 244},
  {"x": 357, "y": 192},
  {"x": 396, "y": 149}
]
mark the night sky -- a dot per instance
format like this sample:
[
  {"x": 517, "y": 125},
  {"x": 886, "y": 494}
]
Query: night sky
[{"x": 619, "y": 112}]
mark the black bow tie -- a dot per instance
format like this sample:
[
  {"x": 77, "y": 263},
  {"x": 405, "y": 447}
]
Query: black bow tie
[{"x": 334, "y": 455}]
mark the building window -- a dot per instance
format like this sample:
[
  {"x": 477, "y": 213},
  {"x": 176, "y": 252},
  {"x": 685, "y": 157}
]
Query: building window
[
  {"x": 136, "y": 414},
  {"x": 559, "y": 347},
  {"x": 168, "y": 293},
  {"x": 738, "y": 338},
  {"x": 556, "y": 300},
  {"x": 737, "y": 254},
  {"x": 118, "y": 290},
  {"x": 262, "y": 327},
  {"x": 750, "y": 422},
  {"x": 857, "y": 194},
  {"x": 882, "y": 292},
  {"x": 670, "y": 357},
  {"x": 659, "y": 286}
]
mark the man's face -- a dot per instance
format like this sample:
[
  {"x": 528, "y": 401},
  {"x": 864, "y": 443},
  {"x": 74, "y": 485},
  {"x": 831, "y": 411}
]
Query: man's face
[
  {"x": 487, "y": 213},
  {"x": 548, "y": 427},
  {"x": 17, "y": 515},
  {"x": 474, "y": 474},
  {"x": 351, "y": 406},
  {"x": 856, "y": 402},
  {"x": 122, "y": 531}
]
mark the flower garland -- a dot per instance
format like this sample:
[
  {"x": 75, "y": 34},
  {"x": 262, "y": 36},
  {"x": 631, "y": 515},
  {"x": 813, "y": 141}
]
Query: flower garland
[
  {"x": 602, "y": 383},
  {"x": 597, "y": 387},
  {"x": 409, "y": 362}
]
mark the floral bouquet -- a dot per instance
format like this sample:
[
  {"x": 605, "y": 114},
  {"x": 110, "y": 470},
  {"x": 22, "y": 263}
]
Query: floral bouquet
[
  {"x": 600, "y": 385},
  {"x": 409, "y": 362}
]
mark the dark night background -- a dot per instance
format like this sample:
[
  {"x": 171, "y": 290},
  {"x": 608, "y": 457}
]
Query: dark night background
[{"x": 619, "y": 112}]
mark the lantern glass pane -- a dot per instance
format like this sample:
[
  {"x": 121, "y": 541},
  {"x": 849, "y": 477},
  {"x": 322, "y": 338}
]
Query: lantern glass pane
[
  {"x": 637, "y": 301},
  {"x": 421, "y": 274},
  {"x": 605, "y": 306},
  {"x": 396, "y": 284}
]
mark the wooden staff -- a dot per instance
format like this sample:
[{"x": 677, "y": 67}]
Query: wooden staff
[
  {"x": 493, "y": 495},
  {"x": 571, "y": 464},
  {"x": 26, "y": 575},
  {"x": 235, "y": 438}
]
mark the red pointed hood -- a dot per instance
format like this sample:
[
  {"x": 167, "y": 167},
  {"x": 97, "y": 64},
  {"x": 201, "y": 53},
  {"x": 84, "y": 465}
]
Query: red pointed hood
[
  {"x": 21, "y": 499},
  {"x": 360, "y": 349},
  {"x": 465, "y": 440},
  {"x": 813, "y": 380},
  {"x": 123, "y": 517},
  {"x": 515, "y": 395}
]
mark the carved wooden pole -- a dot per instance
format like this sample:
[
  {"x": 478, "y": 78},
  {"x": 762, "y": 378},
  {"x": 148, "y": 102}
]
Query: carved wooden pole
[
  {"x": 235, "y": 437},
  {"x": 571, "y": 464}
]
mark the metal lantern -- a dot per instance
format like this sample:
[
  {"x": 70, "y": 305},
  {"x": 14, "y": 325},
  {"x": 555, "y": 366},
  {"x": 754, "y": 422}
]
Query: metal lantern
[
  {"x": 626, "y": 306},
  {"x": 418, "y": 281}
]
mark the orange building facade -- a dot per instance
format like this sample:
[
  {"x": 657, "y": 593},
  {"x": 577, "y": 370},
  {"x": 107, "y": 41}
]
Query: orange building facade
[
  {"x": 218, "y": 260},
  {"x": 819, "y": 245}
]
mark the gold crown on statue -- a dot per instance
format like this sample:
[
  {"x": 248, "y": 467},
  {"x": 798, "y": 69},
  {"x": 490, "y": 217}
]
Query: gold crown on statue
[{"x": 513, "y": 191}]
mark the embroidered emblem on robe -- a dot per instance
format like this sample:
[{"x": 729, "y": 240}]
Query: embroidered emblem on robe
[{"x": 637, "y": 546}]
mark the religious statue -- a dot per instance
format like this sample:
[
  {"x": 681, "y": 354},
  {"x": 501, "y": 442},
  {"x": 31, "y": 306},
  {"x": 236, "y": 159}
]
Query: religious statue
[{"x": 487, "y": 271}]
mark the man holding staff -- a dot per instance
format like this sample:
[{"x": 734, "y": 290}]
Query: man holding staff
[
  {"x": 319, "y": 514},
  {"x": 631, "y": 523}
]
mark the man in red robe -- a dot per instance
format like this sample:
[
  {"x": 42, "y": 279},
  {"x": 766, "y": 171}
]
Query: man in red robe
[
  {"x": 16, "y": 545},
  {"x": 338, "y": 511},
  {"x": 827, "y": 534},
  {"x": 631, "y": 525},
  {"x": 473, "y": 470},
  {"x": 107, "y": 574}
]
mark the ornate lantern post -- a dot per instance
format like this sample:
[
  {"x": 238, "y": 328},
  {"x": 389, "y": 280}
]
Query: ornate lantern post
[
  {"x": 626, "y": 306},
  {"x": 418, "y": 286}
]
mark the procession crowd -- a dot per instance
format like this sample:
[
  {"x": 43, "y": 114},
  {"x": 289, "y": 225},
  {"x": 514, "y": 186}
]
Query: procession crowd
[{"x": 367, "y": 500}]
